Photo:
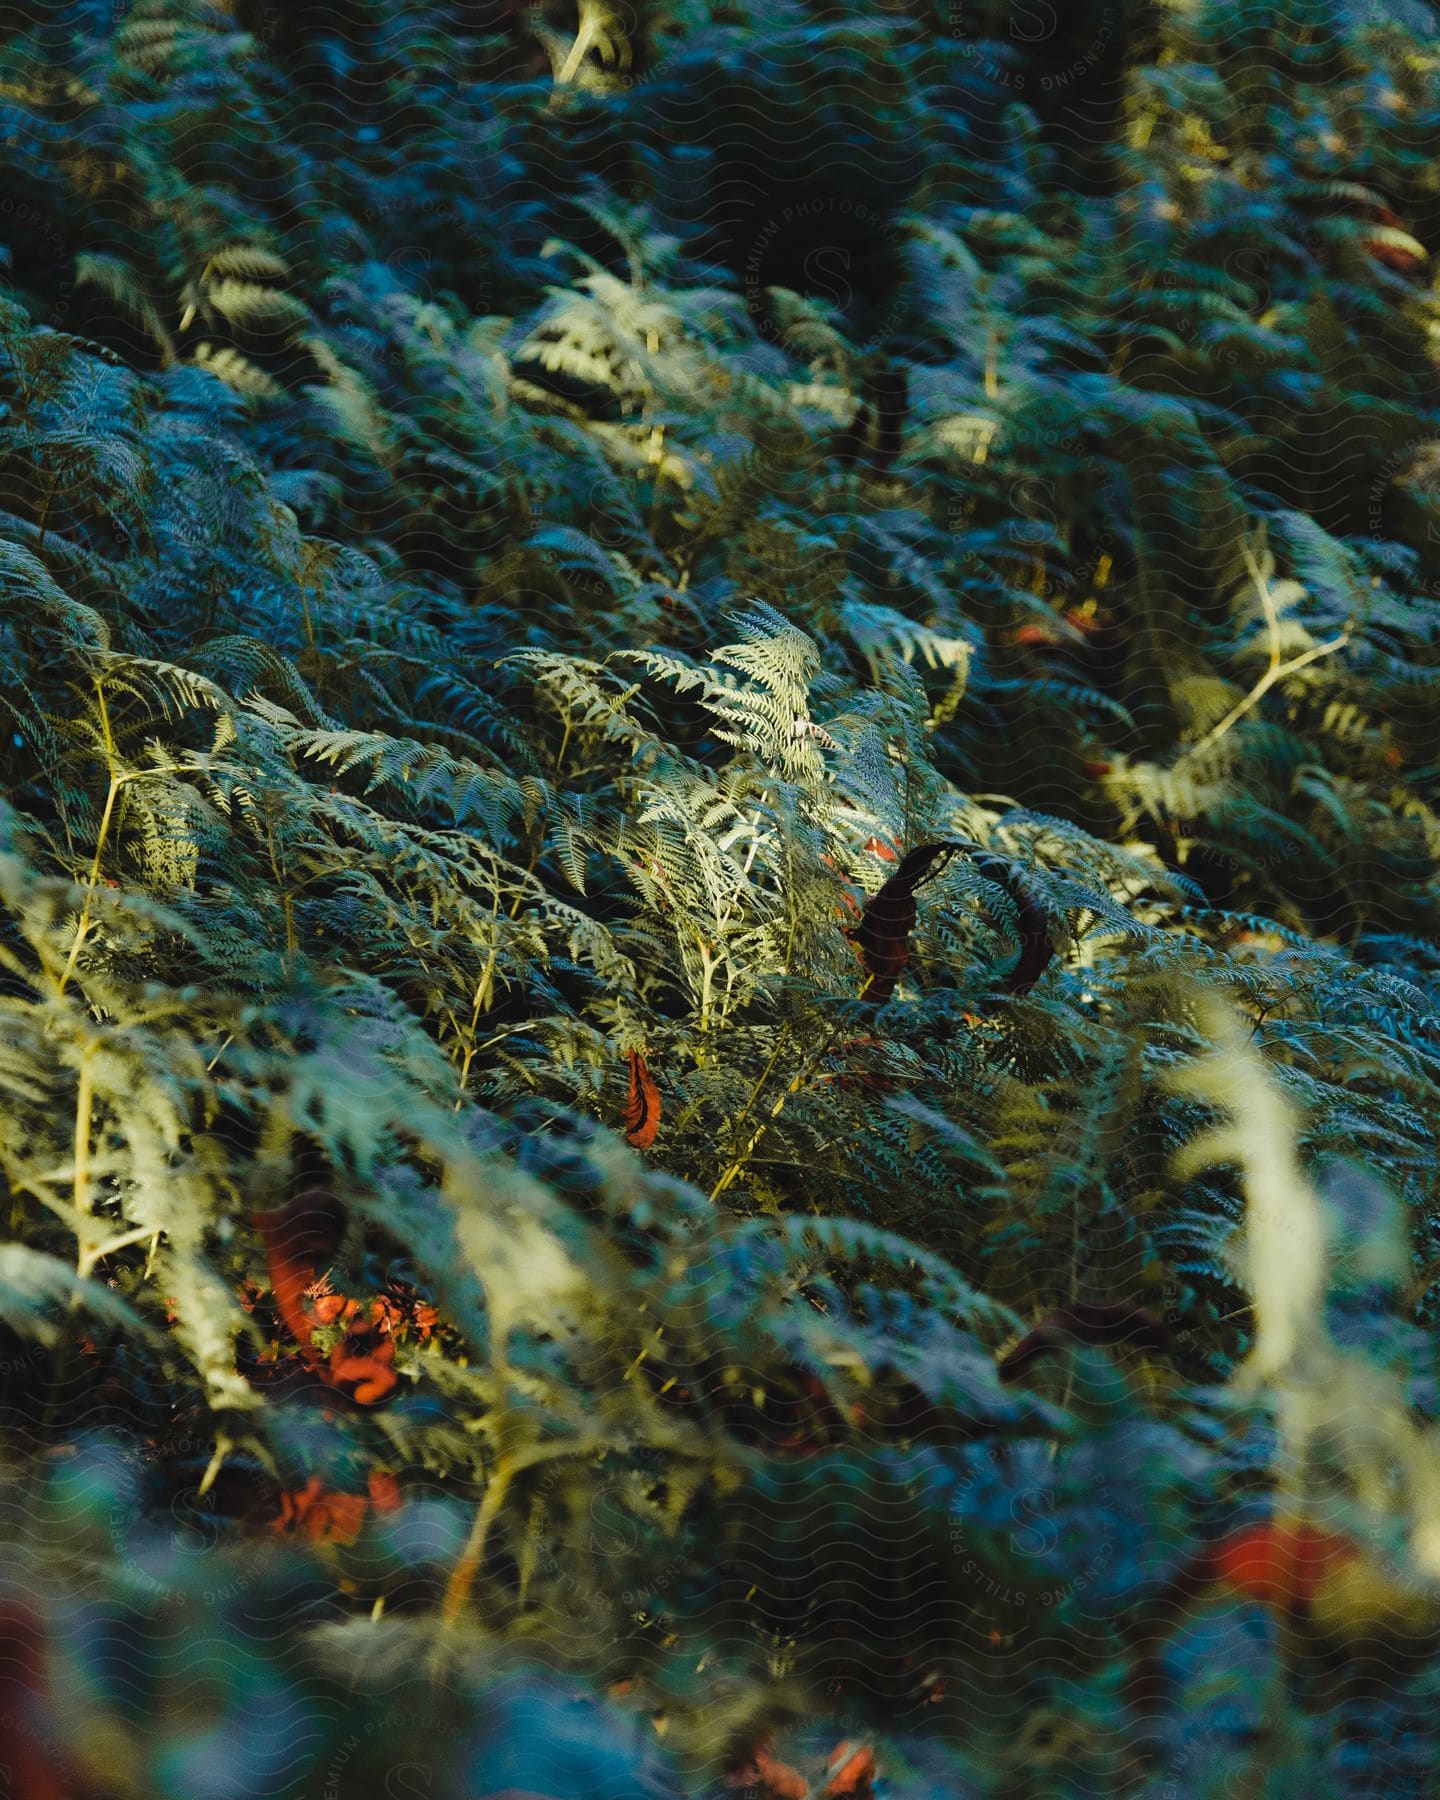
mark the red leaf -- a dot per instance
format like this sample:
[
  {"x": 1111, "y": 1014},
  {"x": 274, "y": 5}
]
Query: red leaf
[
  {"x": 851, "y": 1773},
  {"x": 289, "y": 1281},
  {"x": 32, "y": 1762},
  {"x": 1395, "y": 256},
  {"x": 327, "y": 1308},
  {"x": 311, "y": 1227},
  {"x": 322, "y": 1516},
  {"x": 1281, "y": 1563},
  {"x": 641, "y": 1117},
  {"x": 384, "y": 1491},
  {"x": 778, "y": 1780},
  {"x": 361, "y": 1362},
  {"x": 306, "y": 1229},
  {"x": 297, "y": 1237},
  {"x": 765, "y": 1775}
]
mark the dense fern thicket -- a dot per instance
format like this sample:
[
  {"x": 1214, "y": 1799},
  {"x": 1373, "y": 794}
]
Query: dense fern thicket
[{"x": 849, "y": 597}]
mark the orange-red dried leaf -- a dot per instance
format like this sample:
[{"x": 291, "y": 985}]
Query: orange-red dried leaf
[
  {"x": 361, "y": 1363},
  {"x": 851, "y": 1773},
  {"x": 288, "y": 1282},
  {"x": 764, "y": 1775},
  {"x": 322, "y": 1516},
  {"x": 327, "y": 1308},
  {"x": 1281, "y": 1563},
  {"x": 309, "y": 1228},
  {"x": 300, "y": 1238},
  {"x": 778, "y": 1781},
  {"x": 387, "y": 1315},
  {"x": 384, "y": 1491},
  {"x": 641, "y": 1117},
  {"x": 34, "y": 1765}
]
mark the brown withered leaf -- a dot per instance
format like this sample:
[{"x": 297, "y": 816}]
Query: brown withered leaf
[
  {"x": 1102, "y": 1322},
  {"x": 1036, "y": 949},
  {"x": 889, "y": 918}
]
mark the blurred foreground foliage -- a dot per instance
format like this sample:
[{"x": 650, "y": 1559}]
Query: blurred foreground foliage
[{"x": 516, "y": 524}]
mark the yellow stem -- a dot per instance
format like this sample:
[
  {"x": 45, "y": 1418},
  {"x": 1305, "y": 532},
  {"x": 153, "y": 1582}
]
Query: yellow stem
[
  {"x": 213, "y": 1467},
  {"x": 584, "y": 37},
  {"x": 482, "y": 1002},
  {"x": 707, "y": 990},
  {"x": 507, "y": 1467},
  {"x": 796, "y": 1084},
  {"x": 45, "y": 513},
  {"x": 117, "y": 781},
  {"x": 763, "y": 1077},
  {"x": 1277, "y": 670},
  {"x": 82, "y": 930},
  {"x": 108, "y": 1248},
  {"x": 84, "y": 1106}
]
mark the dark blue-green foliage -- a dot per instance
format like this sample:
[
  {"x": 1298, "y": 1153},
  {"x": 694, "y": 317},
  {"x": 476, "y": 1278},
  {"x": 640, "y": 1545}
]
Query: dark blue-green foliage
[{"x": 514, "y": 520}]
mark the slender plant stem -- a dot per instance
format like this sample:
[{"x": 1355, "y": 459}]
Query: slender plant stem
[
  {"x": 803, "y": 1075},
  {"x": 507, "y": 1467},
  {"x": 1277, "y": 670},
  {"x": 84, "y": 1107}
]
